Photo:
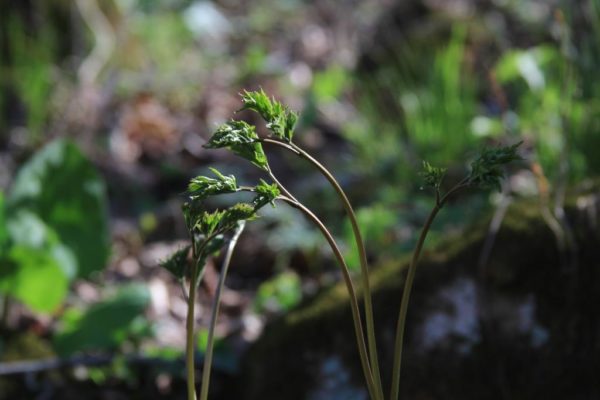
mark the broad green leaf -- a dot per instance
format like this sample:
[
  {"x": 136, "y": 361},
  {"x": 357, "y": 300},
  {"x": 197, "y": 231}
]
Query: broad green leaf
[
  {"x": 33, "y": 276},
  {"x": 28, "y": 230},
  {"x": 241, "y": 138},
  {"x": 102, "y": 326},
  {"x": 65, "y": 191},
  {"x": 38, "y": 267}
]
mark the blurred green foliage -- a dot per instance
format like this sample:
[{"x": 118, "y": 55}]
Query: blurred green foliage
[
  {"x": 56, "y": 224},
  {"x": 104, "y": 325},
  {"x": 30, "y": 74},
  {"x": 37, "y": 267},
  {"x": 64, "y": 190},
  {"x": 279, "y": 294}
]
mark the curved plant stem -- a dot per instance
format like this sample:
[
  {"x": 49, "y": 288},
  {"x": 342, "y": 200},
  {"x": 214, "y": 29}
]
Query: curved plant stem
[
  {"x": 404, "y": 304},
  {"x": 410, "y": 277},
  {"x": 361, "y": 251},
  {"x": 281, "y": 187},
  {"x": 215, "y": 313},
  {"x": 189, "y": 349},
  {"x": 362, "y": 349}
]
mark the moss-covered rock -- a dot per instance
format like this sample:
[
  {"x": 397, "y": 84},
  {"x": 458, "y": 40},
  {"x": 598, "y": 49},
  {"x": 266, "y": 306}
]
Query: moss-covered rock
[{"x": 525, "y": 325}]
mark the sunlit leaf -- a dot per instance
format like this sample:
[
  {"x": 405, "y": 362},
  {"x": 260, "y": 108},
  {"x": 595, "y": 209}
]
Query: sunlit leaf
[
  {"x": 280, "y": 119},
  {"x": 202, "y": 187},
  {"x": 241, "y": 138},
  {"x": 37, "y": 267},
  {"x": 35, "y": 277},
  {"x": 265, "y": 194}
]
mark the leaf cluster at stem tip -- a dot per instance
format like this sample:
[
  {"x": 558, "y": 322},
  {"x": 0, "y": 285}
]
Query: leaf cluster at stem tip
[
  {"x": 206, "y": 228},
  {"x": 241, "y": 138},
  {"x": 280, "y": 120},
  {"x": 202, "y": 187},
  {"x": 487, "y": 171},
  {"x": 433, "y": 176}
]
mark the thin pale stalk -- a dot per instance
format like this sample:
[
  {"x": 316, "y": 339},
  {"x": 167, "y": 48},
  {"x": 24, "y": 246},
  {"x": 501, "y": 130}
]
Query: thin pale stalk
[
  {"x": 215, "y": 313},
  {"x": 360, "y": 339},
  {"x": 372, "y": 342}
]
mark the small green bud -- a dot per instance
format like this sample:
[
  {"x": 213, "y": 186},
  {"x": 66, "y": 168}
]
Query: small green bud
[{"x": 433, "y": 176}]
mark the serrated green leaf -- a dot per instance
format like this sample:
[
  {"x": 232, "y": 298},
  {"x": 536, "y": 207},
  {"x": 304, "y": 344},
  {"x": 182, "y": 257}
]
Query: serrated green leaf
[
  {"x": 280, "y": 120},
  {"x": 208, "y": 222},
  {"x": 202, "y": 187},
  {"x": 235, "y": 213},
  {"x": 291, "y": 119},
  {"x": 259, "y": 102},
  {"x": 486, "y": 170},
  {"x": 265, "y": 194},
  {"x": 63, "y": 188},
  {"x": 433, "y": 176},
  {"x": 177, "y": 263},
  {"x": 241, "y": 138}
]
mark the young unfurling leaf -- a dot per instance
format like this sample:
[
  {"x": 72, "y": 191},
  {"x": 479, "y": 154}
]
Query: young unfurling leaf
[
  {"x": 265, "y": 194},
  {"x": 486, "y": 170},
  {"x": 235, "y": 213},
  {"x": 259, "y": 101},
  {"x": 208, "y": 223},
  {"x": 177, "y": 263},
  {"x": 433, "y": 176},
  {"x": 280, "y": 120},
  {"x": 202, "y": 187},
  {"x": 241, "y": 138}
]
